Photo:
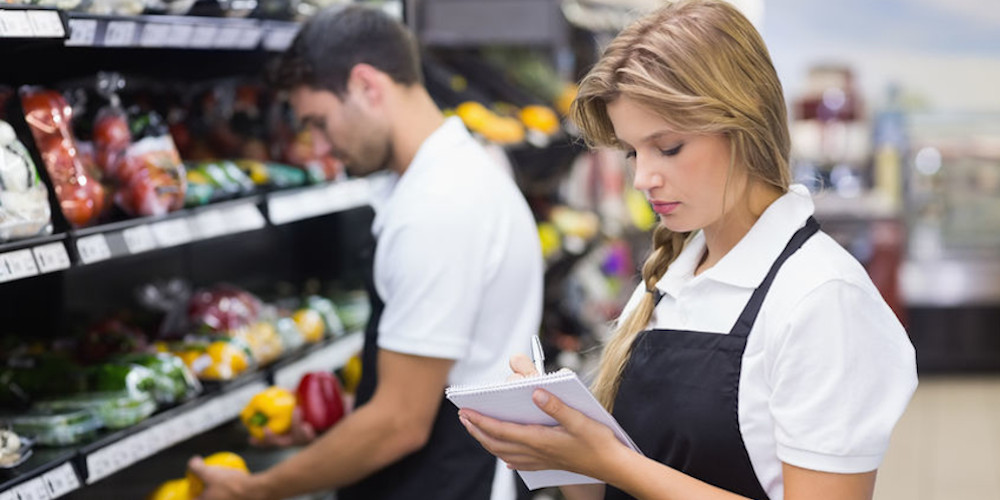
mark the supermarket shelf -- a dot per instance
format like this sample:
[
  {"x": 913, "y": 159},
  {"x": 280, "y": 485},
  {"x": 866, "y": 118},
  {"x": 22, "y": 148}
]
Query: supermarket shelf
[
  {"x": 141, "y": 235},
  {"x": 33, "y": 257},
  {"x": 32, "y": 23},
  {"x": 65, "y": 470},
  {"x": 178, "y": 32},
  {"x": 290, "y": 206}
]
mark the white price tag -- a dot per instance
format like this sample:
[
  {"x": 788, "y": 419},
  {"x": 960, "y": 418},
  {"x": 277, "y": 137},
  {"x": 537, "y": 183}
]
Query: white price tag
[
  {"x": 8, "y": 495},
  {"x": 179, "y": 35},
  {"x": 279, "y": 39},
  {"x": 51, "y": 257},
  {"x": 119, "y": 34},
  {"x": 172, "y": 232},
  {"x": 17, "y": 265},
  {"x": 210, "y": 224},
  {"x": 250, "y": 38},
  {"x": 245, "y": 218},
  {"x": 203, "y": 37},
  {"x": 99, "y": 465},
  {"x": 15, "y": 24},
  {"x": 33, "y": 490},
  {"x": 139, "y": 239},
  {"x": 82, "y": 32},
  {"x": 155, "y": 35},
  {"x": 93, "y": 248},
  {"x": 61, "y": 480},
  {"x": 227, "y": 38},
  {"x": 46, "y": 23}
]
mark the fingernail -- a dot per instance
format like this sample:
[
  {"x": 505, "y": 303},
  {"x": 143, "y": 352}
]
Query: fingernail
[
  {"x": 464, "y": 421},
  {"x": 541, "y": 397}
]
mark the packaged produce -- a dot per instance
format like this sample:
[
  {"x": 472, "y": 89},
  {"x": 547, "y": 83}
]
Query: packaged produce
[
  {"x": 175, "y": 382},
  {"x": 353, "y": 308},
  {"x": 225, "y": 459},
  {"x": 31, "y": 376},
  {"x": 14, "y": 449},
  {"x": 122, "y": 377},
  {"x": 328, "y": 312},
  {"x": 109, "y": 337},
  {"x": 81, "y": 197},
  {"x": 24, "y": 199},
  {"x": 224, "y": 178},
  {"x": 264, "y": 341},
  {"x": 222, "y": 308},
  {"x": 270, "y": 409},
  {"x": 218, "y": 360},
  {"x": 320, "y": 398},
  {"x": 176, "y": 489},
  {"x": 310, "y": 323},
  {"x": 56, "y": 427},
  {"x": 291, "y": 337},
  {"x": 116, "y": 410}
]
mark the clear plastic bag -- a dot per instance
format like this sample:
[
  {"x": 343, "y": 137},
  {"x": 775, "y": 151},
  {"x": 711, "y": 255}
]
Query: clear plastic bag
[{"x": 24, "y": 199}]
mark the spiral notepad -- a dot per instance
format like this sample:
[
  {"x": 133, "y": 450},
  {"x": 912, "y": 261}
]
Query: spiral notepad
[{"x": 511, "y": 402}]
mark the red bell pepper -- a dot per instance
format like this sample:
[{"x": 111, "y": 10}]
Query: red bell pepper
[{"x": 320, "y": 399}]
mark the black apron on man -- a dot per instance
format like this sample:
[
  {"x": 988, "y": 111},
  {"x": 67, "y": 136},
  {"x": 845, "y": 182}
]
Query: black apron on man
[
  {"x": 452, "y": 466},
  {"x": 679, "y": 395}
]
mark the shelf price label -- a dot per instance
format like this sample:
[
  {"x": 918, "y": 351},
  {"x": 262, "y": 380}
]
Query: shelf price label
[
  {"x": 93, "y": 248},
  {"x": 51, "y": 257},
  {"x": 210, "y": 224},
  {"x": 245, "y": 217},
  {"x": 15, "y": 24},
  {"x": 82, "y": 32},
  {"x": 227, "y": 38},
  {"x": 203, "y": 36},
  {"x": 119, "y": 33},
  {"x": 46, "y": 23},
  {"x": 172, "y": 232},
  {"x": 8, "y": 495},
  {"x": 179, "y": 35},
  {"x": 154, "y": 35},
  {"x": 280, "y": 39},
  {"x": 139, "y": 239},
  {"x": 61, "y": 480},
  {"x": 33, "y": 490},
  {"x": 250, "y": 38},
  {"x": 17, "y": 265}
]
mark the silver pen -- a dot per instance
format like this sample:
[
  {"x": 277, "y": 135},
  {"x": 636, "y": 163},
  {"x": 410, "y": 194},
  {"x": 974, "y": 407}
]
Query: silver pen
[{"x": 537, "y": 354}]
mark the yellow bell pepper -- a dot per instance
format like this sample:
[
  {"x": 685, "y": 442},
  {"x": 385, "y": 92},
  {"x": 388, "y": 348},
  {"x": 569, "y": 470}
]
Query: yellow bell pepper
[
  {"x": 310, "y": 323},
  {"x": 177, "y": 489},
  {"x": 270, "y": 409},
  {"x": 225, "y": 459}
]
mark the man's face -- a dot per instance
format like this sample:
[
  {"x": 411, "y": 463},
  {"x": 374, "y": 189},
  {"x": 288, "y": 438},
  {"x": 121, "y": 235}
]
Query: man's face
[{"x": 356, "y": 134}]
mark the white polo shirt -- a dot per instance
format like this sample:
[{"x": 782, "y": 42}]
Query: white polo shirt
[
  {"x": 828, "y": 369},
  {"x": 458, "y": 264}
]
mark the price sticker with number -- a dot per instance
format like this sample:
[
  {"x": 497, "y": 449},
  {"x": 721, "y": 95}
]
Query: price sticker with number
[
  {"x": 33, "y": 490},
  {"x": 172, "y": 232},
  {"x": 8, "y": 495},
  {"x": 82, "y": 32},
  {"x": 179, "y": 35},
  {"x": 61, "y": 480},
  {"x": 93, "y": 248},
  {"x": 15, "y": 24},
  {"x": 46, "y": 24},
  {"x": 204, "y": 37},
  {"x": 51, "y": 257},
  {"x": 154, "y": 35},
  {"x": 139, "y": 239},
  {"x": 119, "y": 34}
]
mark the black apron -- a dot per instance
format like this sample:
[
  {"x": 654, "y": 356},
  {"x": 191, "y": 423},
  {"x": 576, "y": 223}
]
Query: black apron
[
  {"x": 679, "y": 394},
  {"x": 452, "y": 466}
]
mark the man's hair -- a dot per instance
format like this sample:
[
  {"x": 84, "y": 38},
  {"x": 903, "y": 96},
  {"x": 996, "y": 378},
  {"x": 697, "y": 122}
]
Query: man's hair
[{"x": 335, "y": 40}]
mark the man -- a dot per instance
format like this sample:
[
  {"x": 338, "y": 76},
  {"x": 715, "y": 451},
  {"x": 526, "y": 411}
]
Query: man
[{"x": 457, "y": 265}]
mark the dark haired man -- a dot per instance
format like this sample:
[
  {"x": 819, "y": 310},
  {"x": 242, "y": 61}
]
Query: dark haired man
[{"x": 457, "y": 265}]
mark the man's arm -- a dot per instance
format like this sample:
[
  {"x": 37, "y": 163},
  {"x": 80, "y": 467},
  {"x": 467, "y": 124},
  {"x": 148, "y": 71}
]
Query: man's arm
[{"x": 396, "y": 422}]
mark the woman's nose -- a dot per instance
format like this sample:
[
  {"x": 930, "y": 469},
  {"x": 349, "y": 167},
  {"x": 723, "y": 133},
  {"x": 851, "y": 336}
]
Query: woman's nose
[{"x": 646, "y": 177}]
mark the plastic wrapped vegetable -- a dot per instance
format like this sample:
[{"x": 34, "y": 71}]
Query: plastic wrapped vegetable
[
  {"x": 218, "y": 360},
  {"x": 116, "y": 410},
  {"x": 175, "y": 382},
  {"x": 24, "y": 199},
  {"x": 320, "y": 399},
  {"x": 81, "y": 197},
  {"x": 222, "y": 308},
  {"x": 118, "y": 377},
  {"x": 56, "y": 428},
  {"x": 270, "y": 409}
]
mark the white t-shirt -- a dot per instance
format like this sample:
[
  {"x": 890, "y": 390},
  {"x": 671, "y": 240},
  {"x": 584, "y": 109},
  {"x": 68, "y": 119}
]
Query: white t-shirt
[
  {"x": 458, "y": 263},
  {"x": 828, "y": 369}
]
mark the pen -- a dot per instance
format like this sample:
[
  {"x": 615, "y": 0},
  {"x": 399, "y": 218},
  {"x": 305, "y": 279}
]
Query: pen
[{"x": 537, "y": 355}]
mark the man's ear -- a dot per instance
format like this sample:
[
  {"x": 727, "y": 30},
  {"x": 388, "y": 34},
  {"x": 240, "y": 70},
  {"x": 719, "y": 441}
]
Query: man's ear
[{"x": 368, "y": 82}]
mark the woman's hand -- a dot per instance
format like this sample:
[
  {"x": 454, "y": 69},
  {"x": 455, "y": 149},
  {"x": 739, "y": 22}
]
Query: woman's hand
[
  {"x": 578, "y": 444},
  {"x": 522, "y": 367}
]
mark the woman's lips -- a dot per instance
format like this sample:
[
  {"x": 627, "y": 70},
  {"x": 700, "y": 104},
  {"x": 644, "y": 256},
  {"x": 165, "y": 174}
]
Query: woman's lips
[{"x": 664, "y": 207}]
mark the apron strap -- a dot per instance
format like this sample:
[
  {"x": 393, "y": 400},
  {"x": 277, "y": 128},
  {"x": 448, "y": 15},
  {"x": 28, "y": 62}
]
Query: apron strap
[{"x": 749, "y": 315}]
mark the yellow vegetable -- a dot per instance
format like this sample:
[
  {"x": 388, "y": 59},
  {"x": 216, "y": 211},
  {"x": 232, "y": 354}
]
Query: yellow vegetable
[
  {"x": 177, "y": 489},
  {"x": 270, "y": 409},
  {"x": 540, "y": 118},
  {"x": 474, "y": 115},
  {"x": 566, "y": 97},
  {"x": 310, "y": 322},
  {"x": 225, "y": 459},
  {"x": 351, "y": 373},
  {"x": 549, "y": 236}
]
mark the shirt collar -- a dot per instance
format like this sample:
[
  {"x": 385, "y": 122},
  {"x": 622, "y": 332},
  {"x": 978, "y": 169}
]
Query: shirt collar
[
  {"x": 749, "y": 261},
  {"x": 451, "y": 132}
]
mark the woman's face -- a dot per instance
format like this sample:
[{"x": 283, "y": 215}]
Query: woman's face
[{"x": 684, "y": 176}]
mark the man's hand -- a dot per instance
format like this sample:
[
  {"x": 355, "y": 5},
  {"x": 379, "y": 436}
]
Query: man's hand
[
  {"x": 299, "y": 434},
  {"x": 223, "y": 483}
]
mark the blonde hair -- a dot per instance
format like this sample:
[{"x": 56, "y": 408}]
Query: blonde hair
[{"x": 703, "y": 68}]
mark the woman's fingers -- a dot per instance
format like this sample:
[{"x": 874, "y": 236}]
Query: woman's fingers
[{"x": 522, "y": 365}]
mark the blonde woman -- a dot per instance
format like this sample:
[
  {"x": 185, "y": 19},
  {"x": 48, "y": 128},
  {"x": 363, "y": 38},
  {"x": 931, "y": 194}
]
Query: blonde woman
[{"x": 756, "y": 359}]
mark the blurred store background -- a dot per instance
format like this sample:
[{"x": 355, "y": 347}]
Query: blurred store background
[{"x": 894, "y": 107}]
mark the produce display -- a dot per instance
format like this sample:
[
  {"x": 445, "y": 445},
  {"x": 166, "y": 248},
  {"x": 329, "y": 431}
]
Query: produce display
[
  {"x": 24, "y": 199},
  {"x": 225, "y": 459},
  {"x": 271, "y": 410},
  {"x": 14, "y": 449},
  {"x": 320, "y": 398}
]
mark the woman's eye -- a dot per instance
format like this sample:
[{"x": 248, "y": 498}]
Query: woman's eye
[
  {"x": 630, "y": 154},
  {"x": 672, "y": 151}
]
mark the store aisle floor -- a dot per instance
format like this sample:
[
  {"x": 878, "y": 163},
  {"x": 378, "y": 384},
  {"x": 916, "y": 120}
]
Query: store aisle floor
[{"x": 947, "y": 445}]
